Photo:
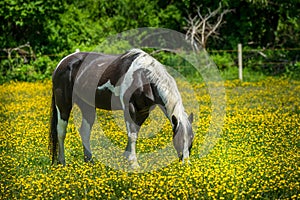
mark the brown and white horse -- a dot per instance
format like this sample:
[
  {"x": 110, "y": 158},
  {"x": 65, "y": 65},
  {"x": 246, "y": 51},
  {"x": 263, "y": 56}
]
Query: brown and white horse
[{"x": 133, "y": 82}]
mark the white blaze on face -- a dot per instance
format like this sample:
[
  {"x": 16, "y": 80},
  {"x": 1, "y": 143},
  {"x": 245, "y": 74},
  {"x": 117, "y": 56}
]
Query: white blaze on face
[{"x": 186, "y": 123}]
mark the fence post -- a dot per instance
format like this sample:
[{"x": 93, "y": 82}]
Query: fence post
[{"x": 240, "y": 62}]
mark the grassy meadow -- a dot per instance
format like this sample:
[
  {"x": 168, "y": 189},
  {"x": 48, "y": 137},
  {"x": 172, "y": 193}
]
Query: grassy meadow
[{"x": 256, "y": 157}]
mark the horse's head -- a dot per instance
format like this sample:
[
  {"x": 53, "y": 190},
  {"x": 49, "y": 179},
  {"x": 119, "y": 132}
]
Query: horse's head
[{"x": 183, "y": 135}]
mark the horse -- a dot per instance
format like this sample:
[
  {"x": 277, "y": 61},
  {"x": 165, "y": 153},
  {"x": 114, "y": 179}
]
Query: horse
[{"x": 133, "y": 82}]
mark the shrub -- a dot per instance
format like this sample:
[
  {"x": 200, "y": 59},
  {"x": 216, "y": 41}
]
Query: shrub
[
  {"x": 223, "y": 60},
  {"x": 15, "y": 69},
  {"x": 293, "y": 71}
]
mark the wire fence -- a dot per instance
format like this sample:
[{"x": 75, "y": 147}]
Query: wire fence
[
  {"x": 21, "y": 63},
  {"x": 7, "y": 50},
  {"x": 262, "y": 56},
  {"x": 254, "y": 50},
  {"x": 275, "y": 61}
]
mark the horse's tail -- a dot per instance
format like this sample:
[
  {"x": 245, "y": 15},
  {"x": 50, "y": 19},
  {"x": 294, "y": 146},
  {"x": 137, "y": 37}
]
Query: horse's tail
[{"x": 53, "y": 138}]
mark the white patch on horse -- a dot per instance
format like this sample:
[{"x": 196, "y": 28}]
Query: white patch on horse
[
  {"x": 61, "y": 124},
  {"x": 113, "y": 89},
  {"x": 132, "y": 137},
  {"x": 70, "y": 74},
  {"x": 61, "y": 135},
  {"x": 132, "y": 52}
]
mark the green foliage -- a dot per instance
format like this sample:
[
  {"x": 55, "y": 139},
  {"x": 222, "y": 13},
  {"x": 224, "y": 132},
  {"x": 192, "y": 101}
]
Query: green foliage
[
  {"x": 223, "y": 60},
  {"x": 178, "y": 64},
  {"x": 270, "y": 62},
  {"x": 227, "y": 64},
  {"x": 170, "y": 17},
  {"x": 293, "y": 71},
  {"x": 249, "y": 75},
  {"x": 58, "y": 27},
  {"x": 44, "y": 66},
  {"x": 17, "y": 70},
  {"x": 25, "y": 21}
]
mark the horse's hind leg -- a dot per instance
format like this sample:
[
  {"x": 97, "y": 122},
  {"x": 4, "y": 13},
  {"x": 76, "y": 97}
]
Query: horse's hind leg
[
  {"x": 88, "y": 118},
  {"x": 62, "y": 122}
]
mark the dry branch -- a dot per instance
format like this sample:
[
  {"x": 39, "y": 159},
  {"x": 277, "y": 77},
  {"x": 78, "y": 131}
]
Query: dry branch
[{"x": 201, "y": 27}]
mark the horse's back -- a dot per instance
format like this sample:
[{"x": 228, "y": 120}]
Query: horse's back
[{"x": 69, "y": 66}]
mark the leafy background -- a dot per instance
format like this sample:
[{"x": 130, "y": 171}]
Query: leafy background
[{"x": 57, "y": 28}]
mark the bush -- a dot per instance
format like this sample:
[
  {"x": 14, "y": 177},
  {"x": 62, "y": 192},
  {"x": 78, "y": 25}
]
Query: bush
[
  {"x": 44, "y": 66},
  {"x": 293, "y": 71},
  {"x": 15, "y": 69},
  {"x": 179, "y": 64},
  {"x": 270, "y": 62},
  {"x": 223, "y": 60}
]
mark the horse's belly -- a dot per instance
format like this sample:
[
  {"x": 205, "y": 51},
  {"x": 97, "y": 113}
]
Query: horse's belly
[{"x": 107, "y": 101}]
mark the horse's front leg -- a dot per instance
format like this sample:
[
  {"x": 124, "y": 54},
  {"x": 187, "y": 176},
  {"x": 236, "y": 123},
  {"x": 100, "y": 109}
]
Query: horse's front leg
[
  {"x": 130, "y": 152},
  {"x": 134, "y": 120},
  {"x": 132, "y": 132}
]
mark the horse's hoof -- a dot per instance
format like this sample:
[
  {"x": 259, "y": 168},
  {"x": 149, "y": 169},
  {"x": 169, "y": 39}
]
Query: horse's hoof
[
  {"x": 63, "y": 163},
  {"x": 126, "y": 154},
  {"x": 135, "y": 166},
  {"x": 186, "y": 161},
  {"x": 89, "y": 160}
]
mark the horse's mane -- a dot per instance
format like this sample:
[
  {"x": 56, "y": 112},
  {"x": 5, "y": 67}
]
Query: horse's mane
[{"x": 164, "y": 82}]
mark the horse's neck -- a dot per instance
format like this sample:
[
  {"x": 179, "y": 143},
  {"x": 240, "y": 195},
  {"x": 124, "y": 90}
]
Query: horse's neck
[
  {"x": 170, "y": 100},
  {"x": 172, "y": 105},
  {"x": 165, "y": 86},
  {"x": 176, "y": 109}
]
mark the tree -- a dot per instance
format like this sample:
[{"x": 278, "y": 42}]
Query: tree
[
  {"x": 201, "y": 27},
  {"x": 25, "y": 21}
]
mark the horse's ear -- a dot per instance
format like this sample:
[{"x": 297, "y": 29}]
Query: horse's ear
[
  {"x": 174, "y": 121},
  {"x": 191, "y": 118}
]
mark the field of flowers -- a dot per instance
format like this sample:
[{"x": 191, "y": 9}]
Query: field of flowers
[{"x": 257, "y": 155}]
